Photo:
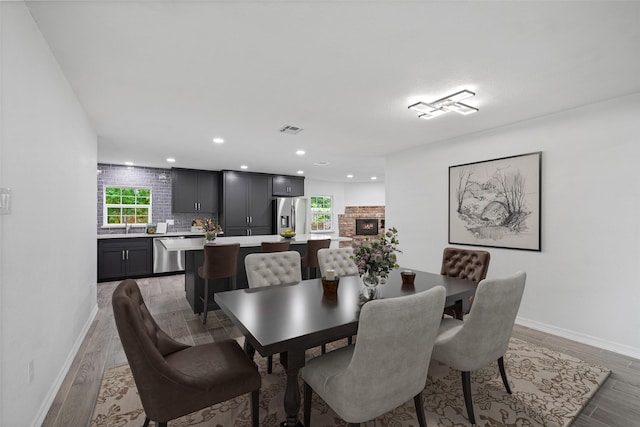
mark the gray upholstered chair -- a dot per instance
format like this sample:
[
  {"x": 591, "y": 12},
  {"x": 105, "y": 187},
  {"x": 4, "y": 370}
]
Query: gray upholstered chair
[
  {"x": 175, "y": 379},
  {"x": 274, "y": 268},
  {"x": 464, "y": 264},
  {"x": 484, "y": 335},
  {"x": 338, "y": 259},
  {"x": 387, "y": 365}
]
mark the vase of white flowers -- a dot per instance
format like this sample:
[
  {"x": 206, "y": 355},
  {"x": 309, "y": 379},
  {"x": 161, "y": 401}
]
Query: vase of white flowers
[{"x": 375, "y": 259}]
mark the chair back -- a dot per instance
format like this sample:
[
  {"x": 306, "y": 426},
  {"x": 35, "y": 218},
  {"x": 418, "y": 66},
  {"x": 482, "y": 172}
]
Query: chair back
[
  {"x": 338, "y": 259},
  {"x": 310, "y": 258},
  {"x": 275, "y": 246},
  {"x": 275, "y": 268},
  {"x": 392, "y": 353},
  {"x": 220, "y": 261},
  {"x": 145, "y": 346},
  {"x": 465, "y": 264},
  {"x": 484, "y": 335}
]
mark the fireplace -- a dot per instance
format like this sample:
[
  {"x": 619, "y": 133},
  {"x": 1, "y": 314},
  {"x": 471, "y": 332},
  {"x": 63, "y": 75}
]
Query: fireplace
[{"x": 366, "y": 226}]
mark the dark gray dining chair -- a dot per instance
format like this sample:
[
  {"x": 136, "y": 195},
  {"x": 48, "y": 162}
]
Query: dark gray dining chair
[
  {"x": 387, "y": 365},
  {"x": 483, "y": 337}
]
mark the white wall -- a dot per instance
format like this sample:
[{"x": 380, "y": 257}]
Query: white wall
[
  {"x": 364, "y": 194},
  {"x": 585, "y": 283},
  {"x": 48, "y": 157}
]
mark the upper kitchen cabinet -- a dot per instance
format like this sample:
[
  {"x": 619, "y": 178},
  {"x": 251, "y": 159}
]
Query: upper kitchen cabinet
[
  {"x": 194, "y": 191},
  {"x": 246, "y": 204},
  {"x": 284, "y": 185}
]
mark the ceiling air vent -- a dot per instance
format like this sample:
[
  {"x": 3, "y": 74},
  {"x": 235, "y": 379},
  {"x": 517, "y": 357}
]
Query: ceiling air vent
[{"x": 293, "y": 130}]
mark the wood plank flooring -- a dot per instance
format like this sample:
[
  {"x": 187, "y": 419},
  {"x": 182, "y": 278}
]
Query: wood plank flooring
[{"x": 617, "y": 403}]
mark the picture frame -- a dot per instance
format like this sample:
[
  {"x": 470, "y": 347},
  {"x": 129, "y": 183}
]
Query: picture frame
[{"x": 496, "y": 203}]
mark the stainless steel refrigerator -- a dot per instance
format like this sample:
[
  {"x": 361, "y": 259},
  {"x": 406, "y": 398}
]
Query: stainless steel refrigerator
[{"x": 291, "y": 213}]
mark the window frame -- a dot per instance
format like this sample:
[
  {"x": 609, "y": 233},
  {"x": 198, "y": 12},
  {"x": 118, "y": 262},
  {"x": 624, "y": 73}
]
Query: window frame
[
  {"x": 106, "y": 206},
  {"x": 315, "y": 212}
]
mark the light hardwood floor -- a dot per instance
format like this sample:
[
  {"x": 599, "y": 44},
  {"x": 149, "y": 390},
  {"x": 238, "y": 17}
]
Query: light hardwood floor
[{"x": 617, "y": 403}]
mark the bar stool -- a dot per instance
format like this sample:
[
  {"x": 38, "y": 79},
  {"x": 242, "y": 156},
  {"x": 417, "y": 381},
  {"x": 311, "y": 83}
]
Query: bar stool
[
  {"x": 282, "y": 246},
  {"x": 310, "y": 259},
  {"x": 220, "y": 262}
]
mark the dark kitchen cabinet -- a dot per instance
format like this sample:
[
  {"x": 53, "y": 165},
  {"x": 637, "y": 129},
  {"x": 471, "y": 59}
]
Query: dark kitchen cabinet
[
  {"x": 246, "y": 204},
  {"x": 292, "y": 186},
  {"x": 124, "y": 258},
  {"x": 194, "y": 191}
]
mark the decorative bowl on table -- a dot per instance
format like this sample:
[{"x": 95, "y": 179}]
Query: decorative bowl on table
[{"x": 288, "y": 234}]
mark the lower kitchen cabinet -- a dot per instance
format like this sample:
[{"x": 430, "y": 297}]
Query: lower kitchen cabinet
[{"x": 124, "y": 258}]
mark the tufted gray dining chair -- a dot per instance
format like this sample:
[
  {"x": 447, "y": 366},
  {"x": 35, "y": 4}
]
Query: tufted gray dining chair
[
  {"x": 483, "y": 337},
  {"x": 387, "y": 365},
  {"x": 274, "y": 268},
  {"x": 338, "y": 259}
]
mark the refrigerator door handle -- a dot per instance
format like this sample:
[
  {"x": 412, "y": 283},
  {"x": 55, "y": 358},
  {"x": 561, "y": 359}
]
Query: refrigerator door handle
[{"x": 293, "y": 218}]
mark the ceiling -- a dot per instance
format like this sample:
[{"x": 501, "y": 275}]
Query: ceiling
[{"x": 160, "y": 79}]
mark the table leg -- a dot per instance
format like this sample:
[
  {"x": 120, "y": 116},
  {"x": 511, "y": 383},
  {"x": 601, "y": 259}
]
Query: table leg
[
  {"x": 294, "y": 361},
  {"x": 457, "y": 309},
  {"x": 248, "y": 348}
]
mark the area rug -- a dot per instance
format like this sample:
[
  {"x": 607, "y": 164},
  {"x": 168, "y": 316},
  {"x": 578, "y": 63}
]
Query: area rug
[{"x": 549, "y": 389}]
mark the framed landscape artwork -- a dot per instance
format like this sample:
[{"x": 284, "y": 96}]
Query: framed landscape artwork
[{"x": 496, "y": 203}]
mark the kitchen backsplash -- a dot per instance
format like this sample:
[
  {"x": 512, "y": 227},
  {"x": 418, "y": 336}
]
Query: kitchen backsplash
[{"x": 159, "y": 180}]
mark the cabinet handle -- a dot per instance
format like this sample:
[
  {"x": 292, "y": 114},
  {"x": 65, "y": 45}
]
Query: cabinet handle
[
  {"x": 123, "y": 254},
  {"x": 127, "y": 254},
  {"x": 195, "y": 206},
  {"x": 198, "y": 205},
  {"x": 250, "y": 220}
]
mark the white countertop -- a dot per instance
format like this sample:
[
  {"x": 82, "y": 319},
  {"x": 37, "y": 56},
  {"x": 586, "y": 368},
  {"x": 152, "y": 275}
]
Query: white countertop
[
  {"x": 141, "y": 234},
  {"x": 246, "y": 241}
]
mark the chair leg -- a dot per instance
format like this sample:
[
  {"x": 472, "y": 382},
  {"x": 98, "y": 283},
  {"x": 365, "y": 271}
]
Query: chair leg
[
  {"x": 255, "y": 408},
  {"x": 269, "y": 364},
  {"x": 466, "y": 390},
  {"x": 323, "y": 348},
  {"x": 354, "y": 425},
  {"x": 503, "y": 374},
  {"x": 206, "y": 301},
  {"x": 146, "y": 422},
  {"x": 307, "y": 404},
  {"x": 350, "y": 340},
  {"x": 417, "y": 400},
  {"x": 159, "y": 424}
]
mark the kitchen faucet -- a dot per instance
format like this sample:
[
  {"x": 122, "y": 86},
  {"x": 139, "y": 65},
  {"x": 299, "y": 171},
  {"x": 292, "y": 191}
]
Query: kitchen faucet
[{"x": 127, "y": 226}]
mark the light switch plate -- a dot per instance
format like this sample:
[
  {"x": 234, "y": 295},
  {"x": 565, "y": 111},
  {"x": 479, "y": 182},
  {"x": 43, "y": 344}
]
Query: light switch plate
[{"x": 5, "y": 201}]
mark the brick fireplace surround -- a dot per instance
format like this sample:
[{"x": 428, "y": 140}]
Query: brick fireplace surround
[{"x": 347, "y": 221}]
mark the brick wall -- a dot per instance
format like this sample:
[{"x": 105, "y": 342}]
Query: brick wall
[{"x": 347, "y": 221}]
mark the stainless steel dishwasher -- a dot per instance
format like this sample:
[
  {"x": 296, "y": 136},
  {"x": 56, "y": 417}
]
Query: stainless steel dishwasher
[{"x": 165, "y": 261}]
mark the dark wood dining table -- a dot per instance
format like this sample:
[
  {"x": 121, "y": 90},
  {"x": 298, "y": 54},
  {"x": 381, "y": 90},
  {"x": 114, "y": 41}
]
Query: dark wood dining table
[{"x": 289, "y": 319}]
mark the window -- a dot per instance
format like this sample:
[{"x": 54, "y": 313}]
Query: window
[
  {"x": 321, "y": 213},
  {"x": 124, "y": 205}
]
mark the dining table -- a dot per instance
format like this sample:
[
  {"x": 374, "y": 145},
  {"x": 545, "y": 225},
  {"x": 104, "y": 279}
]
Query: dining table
[{"x": 289, "y": 319}]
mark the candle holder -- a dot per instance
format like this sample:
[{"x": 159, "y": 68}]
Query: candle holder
[
  {"x": 330, "y": 287},
  {"x": 408, "y": 277}
]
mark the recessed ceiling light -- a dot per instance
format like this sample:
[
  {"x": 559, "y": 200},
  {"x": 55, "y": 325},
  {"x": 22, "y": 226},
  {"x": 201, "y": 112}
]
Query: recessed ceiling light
[
  {"x": 300, "y": 152},
  {"x": 300, "y": 172},
  {"x": 218, "y": 140},
  {"x": 244, "y": 167},
  {"x": 128, "y": 163},
  {"x": 349, "y": 176},
  {"x": 374, "y": 178},
  {"x": 171, "y": 160},
  {"x": 322, "y": 163}
]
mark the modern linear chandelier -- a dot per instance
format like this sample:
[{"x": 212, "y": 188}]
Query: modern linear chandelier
[{"x": 452, "y": 102}]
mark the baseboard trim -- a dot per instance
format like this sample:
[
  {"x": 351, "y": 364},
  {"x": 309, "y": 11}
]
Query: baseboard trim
[
  {"x": 55, "y": 387},
  {"x": 615, "y": 347}
]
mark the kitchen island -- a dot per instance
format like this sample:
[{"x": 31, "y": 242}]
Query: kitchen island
[{"x": 194, "y": 258}]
